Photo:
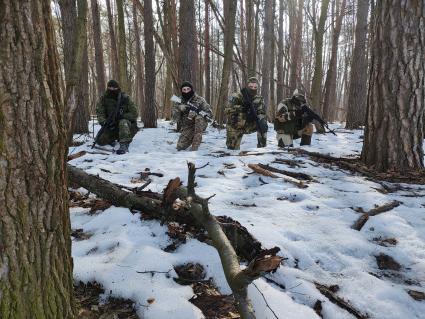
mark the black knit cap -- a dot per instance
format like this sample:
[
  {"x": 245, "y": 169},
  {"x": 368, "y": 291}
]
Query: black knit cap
[
  {"x": 186, "y": 83},
  {"x": 113, "y": 84}
]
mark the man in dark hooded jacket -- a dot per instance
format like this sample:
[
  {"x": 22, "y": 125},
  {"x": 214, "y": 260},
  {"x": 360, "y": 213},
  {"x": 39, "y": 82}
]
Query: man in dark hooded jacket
[{"x": 124, "y": 126}]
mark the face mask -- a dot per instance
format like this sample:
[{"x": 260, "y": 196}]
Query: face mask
[
  {"x": 252, "y": 92},
  {"x": 113, "y": 93},
  {"x": 186, "y": 96}
]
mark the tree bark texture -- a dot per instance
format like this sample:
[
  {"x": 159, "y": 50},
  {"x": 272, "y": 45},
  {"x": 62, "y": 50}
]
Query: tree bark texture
[
  {"x": 280, "y": 52},
  {"x": 98, "y": 48},
  {"x": 149, "y": 110},
  {"x": 139, "y": 91},
  {"x": 187, "y": 42},
  {"x": 296, "y": 48},
  {"x": 357, "y": 94},
  {"x": 319, "y": 31},
  {"x": 267, "y": 49},
  {"x": 113, "y": 40},
  {"x": 229, "y": 36},
  {"x": 329, "y": 100},
  {"x": 122, "y": 48},
  {"x": 35, "y": 243},
  {"x": 207, "y": 60},
  {"x": 396, "y": 102}
]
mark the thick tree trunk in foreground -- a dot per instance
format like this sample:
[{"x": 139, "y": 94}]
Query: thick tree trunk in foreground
[
  {"x": 396, "y": 101},
  {"x": 296, "y": 49},
  {"x": 149, "y": 110},
  {"x": 229, "y": 37},
  {"x": 357, "y": 94},
  {"x": 35, "y": 254}
]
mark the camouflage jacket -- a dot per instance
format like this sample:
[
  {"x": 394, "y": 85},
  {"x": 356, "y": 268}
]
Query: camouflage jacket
[
  {"x": 181, "y": 110},
  {"x": 288, "y": 120},
  {"x": 107, "y": 104},
  {"x": 238, "y": 114}
]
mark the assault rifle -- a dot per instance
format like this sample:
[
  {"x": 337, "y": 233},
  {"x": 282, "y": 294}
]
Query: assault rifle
[
  {"x": 194, "y": 108},
  {"x": 314, "y": 116},
  {"x": 110, "y": 121},
  {"x": 262, "y": 126}
]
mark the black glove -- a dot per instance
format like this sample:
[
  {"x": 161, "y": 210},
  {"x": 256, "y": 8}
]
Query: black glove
[{"x": 193, "y": 109}]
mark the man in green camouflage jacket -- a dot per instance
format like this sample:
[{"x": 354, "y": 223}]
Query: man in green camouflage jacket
[
  {"x": 240, "y": 119},
  {"x": 292, "y": 121},
  {"x": 192, "y": 113},
  {"x": 124, "y": 127}
]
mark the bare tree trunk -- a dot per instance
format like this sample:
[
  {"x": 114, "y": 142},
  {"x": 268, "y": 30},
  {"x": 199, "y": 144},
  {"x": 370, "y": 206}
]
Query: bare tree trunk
[
  {"x": 140, "y": 80},
  {"x": 82, "y": 115},
  {"x": 267, "y": 49},
  {"x": 122, "y": 54},
  {"x": 207, "y": 61},
  {"x": 35, "y": 255},
  {"x": 319, "y": 31},
  {"x": 296, "y": 48},
  {"x": 149, "y": 113},
  {"x": 98, "y": 48},
  {"x": 187, "y": 45},
  {"x": 250, "y": 36},
  {"x": 329, "y": 102},
  {"x": 396, "y": 102},
  {"x": 113, "y": 40},
  {"x": 229, "y": 35},
  {"x": 280, "y": 63},
  {"x": 357, "y": 95}
]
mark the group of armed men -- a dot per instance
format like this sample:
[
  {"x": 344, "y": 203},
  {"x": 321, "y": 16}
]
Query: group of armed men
[{"x": 245, "y": 110}]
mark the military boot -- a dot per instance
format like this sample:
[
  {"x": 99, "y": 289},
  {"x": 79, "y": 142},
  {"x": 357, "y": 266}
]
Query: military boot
[
  {"x": 305, "y": 140},
  {"x": 123, "y": 148}
]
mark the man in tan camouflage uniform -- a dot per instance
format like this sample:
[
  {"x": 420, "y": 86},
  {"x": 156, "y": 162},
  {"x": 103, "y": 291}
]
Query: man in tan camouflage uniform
[
  {"x": 245, "y": 119},
  {"x": 292, "y": 121},
  {"x": 192, "y": 113}
]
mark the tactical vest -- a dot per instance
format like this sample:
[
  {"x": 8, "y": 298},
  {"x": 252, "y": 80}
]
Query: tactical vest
[{"x": 292, "y": 126}]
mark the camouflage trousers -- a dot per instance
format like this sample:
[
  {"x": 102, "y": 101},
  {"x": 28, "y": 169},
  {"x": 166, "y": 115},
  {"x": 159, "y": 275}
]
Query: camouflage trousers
[
  {"x": 288, "y": 139},
  {"x": 124, "y": 133},
  {"x": 234, "y": 135},
  {"x": 191, "y": 133}
]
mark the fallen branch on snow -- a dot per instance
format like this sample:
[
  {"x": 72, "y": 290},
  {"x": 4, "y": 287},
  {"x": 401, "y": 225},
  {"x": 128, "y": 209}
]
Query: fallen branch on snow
[
  {"x": 361, "y": 221},
  {"x": 262, "y": 171},
  {"x": 237, "y": 279}
]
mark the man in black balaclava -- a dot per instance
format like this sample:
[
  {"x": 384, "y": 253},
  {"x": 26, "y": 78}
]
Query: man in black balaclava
[
  {"x": 124, "y": 126},
  {"x": 190, "y": 114}
]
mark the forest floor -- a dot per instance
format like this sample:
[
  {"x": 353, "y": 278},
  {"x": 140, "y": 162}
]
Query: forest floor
[{"x": 328, "y": 267}]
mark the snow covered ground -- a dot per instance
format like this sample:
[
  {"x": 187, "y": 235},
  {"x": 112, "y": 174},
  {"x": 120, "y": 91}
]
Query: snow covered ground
[{"x": 312, "y": 226}]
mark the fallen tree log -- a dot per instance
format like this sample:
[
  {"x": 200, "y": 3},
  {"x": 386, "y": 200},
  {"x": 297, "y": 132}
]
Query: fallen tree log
[
  {"x": 261, "y": 170},
  {"x": 361, "y": 221},
  {"x": 246, "y": 246}
]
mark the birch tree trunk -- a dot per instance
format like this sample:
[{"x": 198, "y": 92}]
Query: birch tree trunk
[
  {"x": 396, "y": 102},
  {"x": 35, "y": 255}
]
